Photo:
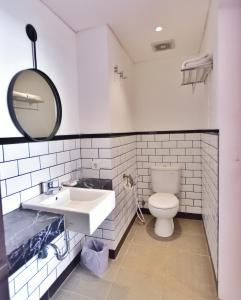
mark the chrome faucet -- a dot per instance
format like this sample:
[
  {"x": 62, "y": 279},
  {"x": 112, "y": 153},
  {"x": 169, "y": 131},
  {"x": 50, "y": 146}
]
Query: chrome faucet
[{"x": 49, "y": 187}]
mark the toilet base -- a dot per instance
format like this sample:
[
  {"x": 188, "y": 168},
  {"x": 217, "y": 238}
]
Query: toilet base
[{"x": 164, "y": 227}]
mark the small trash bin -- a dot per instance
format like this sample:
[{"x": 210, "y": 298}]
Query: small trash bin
[{"x": 94, "y": 256}]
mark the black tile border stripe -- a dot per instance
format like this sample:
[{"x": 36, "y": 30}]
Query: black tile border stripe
[
  {"x": 17, "y": 140},
  {"x": 190, "y": 216},
  {"x": 105, "y": 135}
]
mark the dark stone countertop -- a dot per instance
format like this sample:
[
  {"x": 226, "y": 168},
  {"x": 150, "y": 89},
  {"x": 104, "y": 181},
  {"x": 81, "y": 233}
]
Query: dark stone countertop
[
  {"x": 26, "y": 232},
  {"x": 94, "y": 183}
]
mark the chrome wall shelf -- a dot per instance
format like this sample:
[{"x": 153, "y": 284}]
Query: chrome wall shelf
[{"x": 196, "y": 74}]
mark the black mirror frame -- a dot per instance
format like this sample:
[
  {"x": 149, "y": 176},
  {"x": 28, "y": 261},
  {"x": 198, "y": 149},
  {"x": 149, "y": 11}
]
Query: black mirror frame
[{"x": 57, "y": 101}]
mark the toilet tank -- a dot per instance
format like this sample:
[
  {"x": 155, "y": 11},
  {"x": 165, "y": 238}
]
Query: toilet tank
[{"x": 166, "y": 179}]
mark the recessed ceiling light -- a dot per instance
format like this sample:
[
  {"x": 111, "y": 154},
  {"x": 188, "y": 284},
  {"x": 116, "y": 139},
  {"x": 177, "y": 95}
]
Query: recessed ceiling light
[{"x": 158, "y": 28}]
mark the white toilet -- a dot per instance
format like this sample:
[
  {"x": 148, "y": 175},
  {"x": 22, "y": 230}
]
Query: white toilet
[{"x": 164, "y": 204}]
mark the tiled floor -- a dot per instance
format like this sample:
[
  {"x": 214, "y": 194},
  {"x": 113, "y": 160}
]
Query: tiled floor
[{"x": 149, "y": 269}]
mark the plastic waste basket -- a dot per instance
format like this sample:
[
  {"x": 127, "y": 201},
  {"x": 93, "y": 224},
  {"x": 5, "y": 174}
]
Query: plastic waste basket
[{"x": 94, "y": 256}]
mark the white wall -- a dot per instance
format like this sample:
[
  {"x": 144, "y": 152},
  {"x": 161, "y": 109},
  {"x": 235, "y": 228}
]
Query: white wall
[
  {"x": 161, "y": 103},
  {"x": 92, "y": 49},
  {"x": 209, "y": 45},
  {"x": 105, "y": 99},
  {"x": 151, "y": 98},
  {"x": 229, "y": 114},
  {"x": 121, "y": 90},
  {"x": 56, "y": 56},
  {"x": 105, "y": 103}
]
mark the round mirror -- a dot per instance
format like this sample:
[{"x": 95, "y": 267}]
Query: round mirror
[{"x": 34, "y": 104}]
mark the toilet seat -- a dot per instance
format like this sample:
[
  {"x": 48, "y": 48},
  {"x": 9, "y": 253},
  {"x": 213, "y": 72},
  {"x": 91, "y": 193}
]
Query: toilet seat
[{"x": 163, "y": 201}]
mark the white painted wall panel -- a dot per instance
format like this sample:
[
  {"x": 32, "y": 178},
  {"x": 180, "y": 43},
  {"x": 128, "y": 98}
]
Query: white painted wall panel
[{"x": 56, "y": 56}]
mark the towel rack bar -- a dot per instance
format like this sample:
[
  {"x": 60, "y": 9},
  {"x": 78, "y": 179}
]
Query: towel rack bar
[{"x": 197, "y": 74}]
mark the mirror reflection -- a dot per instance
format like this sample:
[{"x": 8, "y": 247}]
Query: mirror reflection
[{"x": 34, "y": 104}]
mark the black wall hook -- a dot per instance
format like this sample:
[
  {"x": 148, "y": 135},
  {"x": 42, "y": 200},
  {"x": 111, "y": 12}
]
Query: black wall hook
[{"x": 32, "y": 35}]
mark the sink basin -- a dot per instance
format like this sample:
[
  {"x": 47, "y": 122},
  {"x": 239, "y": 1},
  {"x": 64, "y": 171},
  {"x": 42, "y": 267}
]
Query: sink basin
[{"x": 84, "y": 209}]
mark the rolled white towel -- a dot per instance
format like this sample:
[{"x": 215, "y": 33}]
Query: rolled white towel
[{"x": 197, "y": 61}]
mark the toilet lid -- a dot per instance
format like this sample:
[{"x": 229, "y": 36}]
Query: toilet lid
[{"x": 163, "y": 200}]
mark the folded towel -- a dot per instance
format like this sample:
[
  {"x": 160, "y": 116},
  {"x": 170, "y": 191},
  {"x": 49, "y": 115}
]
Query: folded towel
[{"x": 197, "y": 61}]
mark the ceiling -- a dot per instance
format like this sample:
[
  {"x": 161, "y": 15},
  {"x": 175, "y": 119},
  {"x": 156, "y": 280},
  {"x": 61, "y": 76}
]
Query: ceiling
[{"x": 134, "y": 21}]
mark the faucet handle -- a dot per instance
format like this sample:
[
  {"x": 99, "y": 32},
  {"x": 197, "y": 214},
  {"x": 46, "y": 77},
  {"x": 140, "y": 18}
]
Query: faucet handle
[
  {"x": 46, "y": 186},
  {"x": 53, "y": 183}
]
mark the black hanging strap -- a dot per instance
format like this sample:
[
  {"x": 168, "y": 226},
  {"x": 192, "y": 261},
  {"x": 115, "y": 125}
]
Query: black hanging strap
[{"x": 32, "y": 35}]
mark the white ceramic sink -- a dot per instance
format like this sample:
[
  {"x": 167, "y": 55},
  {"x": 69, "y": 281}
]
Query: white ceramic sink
[{"x": 84, "y": 209}]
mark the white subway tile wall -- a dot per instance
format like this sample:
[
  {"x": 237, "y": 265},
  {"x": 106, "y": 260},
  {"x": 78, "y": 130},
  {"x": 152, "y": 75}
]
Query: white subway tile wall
[
  {"x": 48, "y": 160},
  {"x": 15, "y": 151},
  {"x": 115, "y": 157},
  {"x": 9, "y": 169},
  {"x": 35, "y": 277},
  {"x": 28, "y": 165},
  {"x": 36, "y": 149},
  {"x": 56, "y": 146},
  {"x": 172, "y": 149},
  {"x": 1, "y": 153},
  {"x": 10, "y": 203},
  {"x": 209, "y": 149},
  {"x": 24, "y": 166}
]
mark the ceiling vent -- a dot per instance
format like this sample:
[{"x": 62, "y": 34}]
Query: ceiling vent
[{"x": 164, "y": 45}]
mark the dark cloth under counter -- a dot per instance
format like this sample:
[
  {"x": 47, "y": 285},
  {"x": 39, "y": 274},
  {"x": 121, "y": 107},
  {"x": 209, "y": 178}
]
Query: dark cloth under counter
[{"x": 26, "y": 232}]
